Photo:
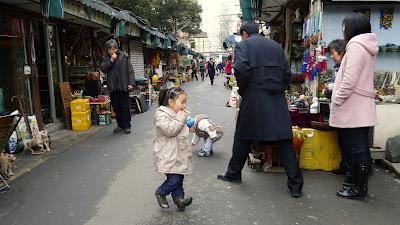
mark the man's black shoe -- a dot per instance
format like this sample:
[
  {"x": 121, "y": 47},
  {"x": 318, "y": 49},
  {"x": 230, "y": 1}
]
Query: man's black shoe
[
  {"x": 223, "y": 177},
  {"x": 117, "y": 130},
  {"x": 338, "y": 171},
  {"x": 127, "y": 131},
  {"x": 296, "y": 194}
]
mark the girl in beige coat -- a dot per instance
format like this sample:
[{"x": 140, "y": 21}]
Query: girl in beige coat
[{"x": 172, "y": 150}]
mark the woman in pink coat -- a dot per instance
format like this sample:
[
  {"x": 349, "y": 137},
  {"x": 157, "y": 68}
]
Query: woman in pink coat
[{"x": 353, "y": 103}]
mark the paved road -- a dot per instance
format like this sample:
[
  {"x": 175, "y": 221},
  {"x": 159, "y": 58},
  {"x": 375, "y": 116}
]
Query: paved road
[{"x": 109, "y": 179}]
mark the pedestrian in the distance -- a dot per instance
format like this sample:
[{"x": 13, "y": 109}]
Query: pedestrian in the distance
[
  {"x": 202, "y": 69},
  {"x": 220, "y": 67},
  {"x": 194, "y": 69},
  {"x": 263, "y": 75},
  {"x": 228, "y": 66},
  {"x": 353, "y": 109},
  {"x": 211, "y": 70},
  {"x": 206, "y": 67},
  {"x": 120, "y": 80},
  {"x": 228, "y": 70},
  {"x": 172, "y": 149}
]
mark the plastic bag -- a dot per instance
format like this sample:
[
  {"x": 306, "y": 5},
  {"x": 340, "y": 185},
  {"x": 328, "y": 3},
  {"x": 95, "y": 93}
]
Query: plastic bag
[{"x": 393, "y": 149}]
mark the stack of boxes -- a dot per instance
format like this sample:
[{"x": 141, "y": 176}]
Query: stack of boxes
[{"x": 80, "y": 115}]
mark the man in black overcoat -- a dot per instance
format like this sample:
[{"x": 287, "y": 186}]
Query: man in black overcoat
[{"x": 263, "y": 75}]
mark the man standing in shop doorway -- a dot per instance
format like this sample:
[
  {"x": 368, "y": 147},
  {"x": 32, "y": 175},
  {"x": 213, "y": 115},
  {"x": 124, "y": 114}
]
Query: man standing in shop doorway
[
  {"x": 120, "y": 80},
  {"x": 263, "y": 75}
]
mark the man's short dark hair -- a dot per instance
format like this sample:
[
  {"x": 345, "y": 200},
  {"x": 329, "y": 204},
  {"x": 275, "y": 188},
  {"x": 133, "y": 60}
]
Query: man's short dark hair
[
  {"x": 111, "y": 44},
  {"x": 355, "y": 24},
  {"x": 249, "y": 27},
  {"x": 338, "y": 45}
]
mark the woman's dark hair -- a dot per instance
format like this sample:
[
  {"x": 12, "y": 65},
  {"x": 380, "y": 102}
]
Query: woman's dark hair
[
  {"x": 338, "y": 45},
  {"x": 229, "y": 57},
  {"x": 355, "y": 24},
  {"x": 167, "y": 94}
]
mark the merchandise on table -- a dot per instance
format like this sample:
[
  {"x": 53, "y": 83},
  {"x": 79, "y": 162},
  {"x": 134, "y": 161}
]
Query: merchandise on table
[{"x": 104, "y": 118}]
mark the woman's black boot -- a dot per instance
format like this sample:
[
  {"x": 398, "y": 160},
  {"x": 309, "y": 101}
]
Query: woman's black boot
[{"x": 359, "y": 190}]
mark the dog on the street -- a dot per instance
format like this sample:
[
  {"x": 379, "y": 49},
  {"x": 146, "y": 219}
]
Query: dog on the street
[
  {"x": 6, "y": 164},
  {"x": 39, "y": 144},
  {"x": 46, "y": 139}
]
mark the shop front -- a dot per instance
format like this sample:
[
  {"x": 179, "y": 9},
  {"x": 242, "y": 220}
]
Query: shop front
[
  {"x": 31, "y": 69},
  {"x": 13, "y": 82}
]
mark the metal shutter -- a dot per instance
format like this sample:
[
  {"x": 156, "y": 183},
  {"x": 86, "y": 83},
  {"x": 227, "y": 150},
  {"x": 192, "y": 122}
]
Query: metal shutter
[{"x": 136, "y": 57}]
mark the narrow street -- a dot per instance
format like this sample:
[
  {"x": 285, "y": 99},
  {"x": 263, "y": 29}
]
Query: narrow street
[{"x": 109, "y": 179}]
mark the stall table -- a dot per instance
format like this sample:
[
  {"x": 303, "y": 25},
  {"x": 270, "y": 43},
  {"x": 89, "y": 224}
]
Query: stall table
[{"x": 303, "y": 119}]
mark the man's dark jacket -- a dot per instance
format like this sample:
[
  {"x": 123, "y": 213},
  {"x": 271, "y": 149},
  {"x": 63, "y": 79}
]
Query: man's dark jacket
[
  {"x": 120, "y": 73},
  {"x": 263, "y": 75}
]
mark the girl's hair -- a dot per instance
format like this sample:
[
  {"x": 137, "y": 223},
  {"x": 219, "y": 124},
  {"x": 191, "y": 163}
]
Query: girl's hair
[
  {"x": 167, "y": 94},
  {"x": 229, "y": 57},
  {"x": 338, "y": 45},
  {"x": 355, "y": 24}
]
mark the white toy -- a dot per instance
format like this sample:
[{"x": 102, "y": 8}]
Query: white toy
[{"x": 314, "y": 106}]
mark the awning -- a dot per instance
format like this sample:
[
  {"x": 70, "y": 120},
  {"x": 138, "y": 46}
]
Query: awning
[
  {"x": 52, "y": 8},
  {"x": 182, "y": 49},
  {"x": 167, "y": 44},
  {"x": 155, "y": 41},
  {"x": 266, "y": 10},
  {"x": 247, "y": 10},
  {"x": 130, "y": 17},
  {"x": 101, "y": 7}
]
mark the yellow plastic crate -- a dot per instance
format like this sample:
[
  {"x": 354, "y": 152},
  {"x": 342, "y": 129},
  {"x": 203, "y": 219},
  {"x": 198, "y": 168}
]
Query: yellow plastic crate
[
  {"x": 80, "y": 105},
  {"x": 81, "y": 121},
  {"x": 320, "y": 150}
]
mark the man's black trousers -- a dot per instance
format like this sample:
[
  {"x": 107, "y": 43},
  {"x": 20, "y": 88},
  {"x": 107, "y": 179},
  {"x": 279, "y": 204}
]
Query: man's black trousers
[
  {"x": 122, "y": 107},
  {"x": 241, "y": 150}
]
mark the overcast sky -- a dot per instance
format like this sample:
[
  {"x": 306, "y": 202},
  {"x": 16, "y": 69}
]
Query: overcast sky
[{"x": 212, "y": 12}]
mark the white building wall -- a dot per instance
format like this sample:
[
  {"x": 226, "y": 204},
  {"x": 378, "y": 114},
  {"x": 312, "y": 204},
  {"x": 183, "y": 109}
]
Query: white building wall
[{"x": 332, "y": 29}]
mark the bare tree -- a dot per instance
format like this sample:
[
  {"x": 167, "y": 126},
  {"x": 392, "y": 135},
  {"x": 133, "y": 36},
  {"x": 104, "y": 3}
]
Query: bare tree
[{"x": 225, "y": 24}]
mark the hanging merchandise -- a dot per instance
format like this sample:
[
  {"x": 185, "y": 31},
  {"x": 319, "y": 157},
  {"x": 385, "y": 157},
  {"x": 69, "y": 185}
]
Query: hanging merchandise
[
  {"x": 312, "y": 66},
  {"x": 316, "y": 23},
  {"x": 386, "y": 19},
  {"x": 306, "y": 58},
  {"x": 321, "y": 59}
]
